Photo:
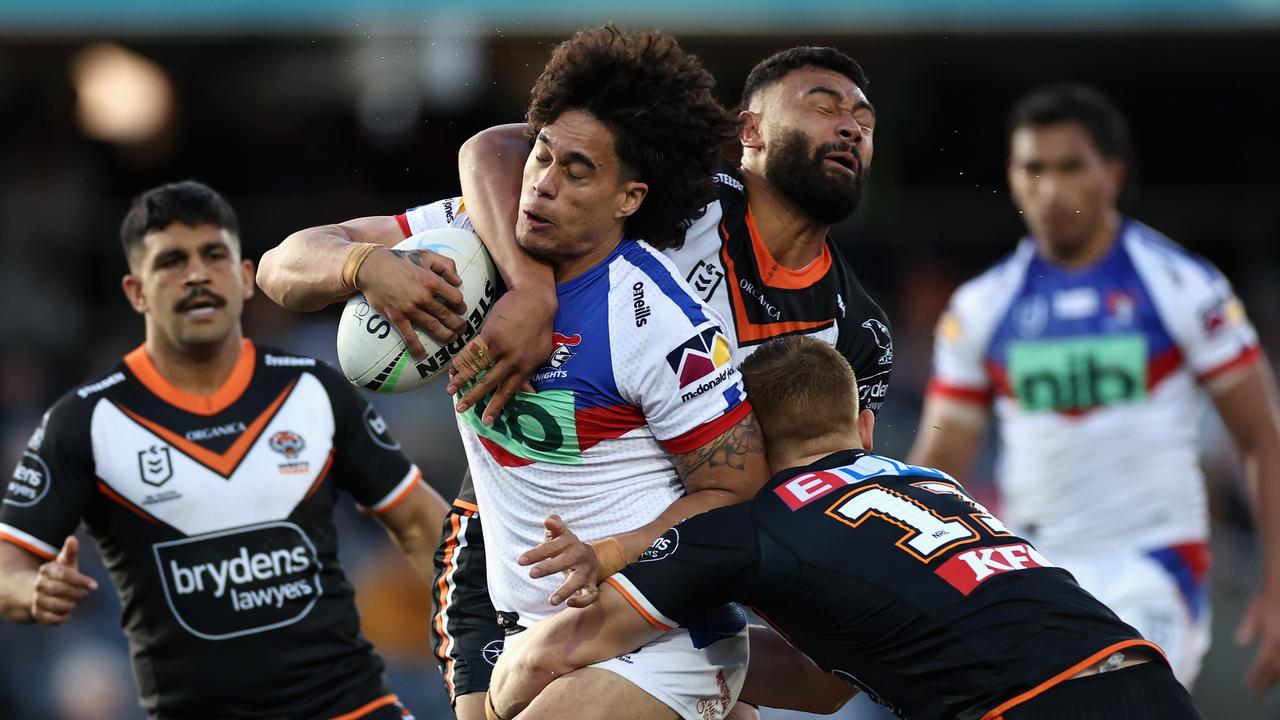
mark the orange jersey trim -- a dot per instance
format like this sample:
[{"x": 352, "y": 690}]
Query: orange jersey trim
[
  {"x": 781, "y": 276},
  {"x": 26, "y": 546},
  {"x": 997, "y": 712},
  {"x": 464, "y": 505},
  {"x": 367, "y": 708},
  {"x": 774, "y": 625},
  {"x": 233, "y": 387},
  {"x": 747, "y": 330},
  {"x": 639, "y": 608},
  {"x": 117, "y": 497},
  {"x": 404, "y": 495},
  {"x": 324, "y": 472},
  {"x": 222, "y": 463}
]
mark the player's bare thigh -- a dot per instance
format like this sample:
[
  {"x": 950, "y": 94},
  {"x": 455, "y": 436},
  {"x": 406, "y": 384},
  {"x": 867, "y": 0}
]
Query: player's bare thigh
[
  {"x": 594, "y": 694},
  {"x": 470, "y": 706}
]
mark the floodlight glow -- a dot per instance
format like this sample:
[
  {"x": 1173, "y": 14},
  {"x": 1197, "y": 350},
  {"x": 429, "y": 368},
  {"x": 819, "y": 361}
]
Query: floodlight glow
[{"x": 121, "y": 97}]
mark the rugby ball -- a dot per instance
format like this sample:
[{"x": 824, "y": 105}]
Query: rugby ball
[{"x": 370, "y": 350}]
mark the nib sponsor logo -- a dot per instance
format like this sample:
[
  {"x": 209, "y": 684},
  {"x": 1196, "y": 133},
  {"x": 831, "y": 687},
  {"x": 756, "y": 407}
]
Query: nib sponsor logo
[
  {"x": 240, "y": 582},
  {"x": 704, "y": 360}
]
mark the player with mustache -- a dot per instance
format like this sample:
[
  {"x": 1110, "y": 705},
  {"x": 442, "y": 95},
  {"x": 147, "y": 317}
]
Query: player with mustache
[{"x": 206, "y": 469}]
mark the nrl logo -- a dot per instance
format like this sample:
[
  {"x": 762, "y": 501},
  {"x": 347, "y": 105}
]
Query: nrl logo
[{"x": 155, "y": 467}]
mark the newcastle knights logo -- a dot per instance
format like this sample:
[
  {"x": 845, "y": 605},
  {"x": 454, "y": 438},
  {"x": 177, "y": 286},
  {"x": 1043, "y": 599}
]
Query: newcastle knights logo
[
  {"x": 562, "y": 351},
  {"x": 154, "y": 465}
]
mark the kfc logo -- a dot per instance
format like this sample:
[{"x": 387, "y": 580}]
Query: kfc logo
[{"x": 967, "y": 570}]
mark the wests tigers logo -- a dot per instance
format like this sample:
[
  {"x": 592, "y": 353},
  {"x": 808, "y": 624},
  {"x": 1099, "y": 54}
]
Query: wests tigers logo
[{"x": 287, "y": 443}]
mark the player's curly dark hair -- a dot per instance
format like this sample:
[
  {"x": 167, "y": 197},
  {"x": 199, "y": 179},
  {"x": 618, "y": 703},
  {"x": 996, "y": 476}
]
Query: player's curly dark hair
[
  {"x": 657, "y": 100},
  {"x": 189, "y": 202}
]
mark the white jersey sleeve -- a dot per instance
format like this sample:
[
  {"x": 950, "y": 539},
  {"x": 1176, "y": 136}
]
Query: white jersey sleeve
[
  {"x": 673, "y": 358},
  {"x": 449, "y": 212},
  {"x": 963, "y": 334},
  {"x": 1196, "y": 304}
]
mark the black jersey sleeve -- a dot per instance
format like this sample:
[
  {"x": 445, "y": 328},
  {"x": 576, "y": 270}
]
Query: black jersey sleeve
[
  {"x": 866, "y": 339},
  {"x": 693, "y": 568},
  {"x": 367, "y": 460},
  {"x": 49, "y": 491},
  {"x": 867, "y": 343}
]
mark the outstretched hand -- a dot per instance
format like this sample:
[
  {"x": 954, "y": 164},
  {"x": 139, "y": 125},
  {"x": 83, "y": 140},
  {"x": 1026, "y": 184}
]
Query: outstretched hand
[
  {"x": 563, "y": 552},
  {"x": 1261, "y": 622}
]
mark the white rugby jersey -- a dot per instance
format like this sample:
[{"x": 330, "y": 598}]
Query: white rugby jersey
[
  {"x": 640, "y": 370},
  {"x": 1095, "y": 378}
]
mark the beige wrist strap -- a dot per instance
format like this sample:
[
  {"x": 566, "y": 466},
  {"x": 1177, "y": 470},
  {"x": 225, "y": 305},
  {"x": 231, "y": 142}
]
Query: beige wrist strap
[
  {"x": 355, "y": 258},
  {"x": 609, "y": 556}
]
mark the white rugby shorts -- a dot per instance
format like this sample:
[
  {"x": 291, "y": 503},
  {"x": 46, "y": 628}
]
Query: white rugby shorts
[
  {"x": 1145, "y": 595},
  {"x": 696, "y": 684}
]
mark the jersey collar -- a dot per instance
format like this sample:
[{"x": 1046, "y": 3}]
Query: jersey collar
[
  {"x": 777, "y": 275},
  {"x": 1116, "y": 248},
  {"x": 590, "y": 274},
  {"x": 237, "y": 382},
  {"x": 830, "y": 462}
]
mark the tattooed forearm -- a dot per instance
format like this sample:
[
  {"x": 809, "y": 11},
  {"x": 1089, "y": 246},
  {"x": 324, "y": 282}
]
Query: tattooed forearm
[
  {"x": 734, "y": 450},
  {"x": 727, "y": 470}
]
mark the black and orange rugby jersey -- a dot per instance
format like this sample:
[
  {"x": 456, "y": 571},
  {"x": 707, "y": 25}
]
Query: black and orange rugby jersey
[
  {"x": 731, "y": 269},
  {"x": 214, "y": 515},
  {"x": 890, "y": 577}
]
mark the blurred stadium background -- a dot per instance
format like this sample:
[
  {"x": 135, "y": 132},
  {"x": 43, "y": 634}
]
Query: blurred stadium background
[{"x": 310, "y": 111}]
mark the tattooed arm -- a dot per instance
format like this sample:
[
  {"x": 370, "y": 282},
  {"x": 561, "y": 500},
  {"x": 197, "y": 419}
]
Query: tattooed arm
[
  {"x": 304, "y": 273},
  {"x": 725, "y": 471}
]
